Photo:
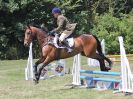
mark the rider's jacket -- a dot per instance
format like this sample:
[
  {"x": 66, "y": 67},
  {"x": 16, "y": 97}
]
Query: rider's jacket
[{"x": 64, "y": 25}]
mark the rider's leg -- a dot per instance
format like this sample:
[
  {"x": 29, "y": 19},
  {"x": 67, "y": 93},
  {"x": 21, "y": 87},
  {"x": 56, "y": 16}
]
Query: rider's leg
[
  {"x": 64, "y": 35},
  {"x": 62, "y": 38}
]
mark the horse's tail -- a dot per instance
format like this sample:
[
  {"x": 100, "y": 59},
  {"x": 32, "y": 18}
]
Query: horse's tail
[{"x": 99, "y": 49}]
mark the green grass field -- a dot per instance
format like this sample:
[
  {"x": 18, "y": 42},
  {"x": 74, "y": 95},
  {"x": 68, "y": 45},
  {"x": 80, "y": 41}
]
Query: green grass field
[{"x": 14, "y": 86}]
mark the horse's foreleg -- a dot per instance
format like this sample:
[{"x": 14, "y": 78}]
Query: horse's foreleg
[
  {"x": 45, "y": 63},
  {"x": 35, "y": 67},
  {"x": 39, "y": 73}
]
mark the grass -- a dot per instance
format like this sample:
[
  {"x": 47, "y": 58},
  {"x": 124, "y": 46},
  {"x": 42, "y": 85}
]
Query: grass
[{"x": 14, "y": 86}]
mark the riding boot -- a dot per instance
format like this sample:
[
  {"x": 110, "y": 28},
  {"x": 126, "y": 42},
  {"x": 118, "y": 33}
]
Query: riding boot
[{"x": 67, "y": 45}]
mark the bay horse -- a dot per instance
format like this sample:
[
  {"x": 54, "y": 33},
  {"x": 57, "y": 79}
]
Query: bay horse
[{"x": 85, "y": 44}]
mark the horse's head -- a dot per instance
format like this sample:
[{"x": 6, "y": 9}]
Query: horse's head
[
  {"x": 29, "y": 33},
  {"x": 32, "y": 33}
]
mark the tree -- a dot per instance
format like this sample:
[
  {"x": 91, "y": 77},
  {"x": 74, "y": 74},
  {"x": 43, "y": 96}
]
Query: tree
[{"x": 102, "y": 17}]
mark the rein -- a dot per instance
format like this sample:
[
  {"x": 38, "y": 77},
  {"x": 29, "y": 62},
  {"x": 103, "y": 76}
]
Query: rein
[
  {"x": 47, "y": 40},
  {"x": 47, "y": 37}
]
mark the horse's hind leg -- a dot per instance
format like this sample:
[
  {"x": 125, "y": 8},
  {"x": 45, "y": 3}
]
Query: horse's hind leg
[
  {"x": 108, "y": 60},
  {"x": 98, "y": 57},
  {"x": 101, "y": 61}
]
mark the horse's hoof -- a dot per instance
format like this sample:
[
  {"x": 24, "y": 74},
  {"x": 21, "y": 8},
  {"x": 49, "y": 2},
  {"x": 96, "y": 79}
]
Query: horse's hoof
[
  {"x": 35, "y": 81},
  {"x": 108, "y": 68}
]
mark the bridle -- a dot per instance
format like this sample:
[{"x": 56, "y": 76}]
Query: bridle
[{"x": 30, "y": 33}]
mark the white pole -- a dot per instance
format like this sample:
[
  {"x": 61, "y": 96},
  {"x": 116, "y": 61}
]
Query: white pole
[
  {"x": 76, "y": 70},
  {"x": 103, "y": 46},
  {"x": 125, "y": 70},
  {"x": 29, "y": 68}
]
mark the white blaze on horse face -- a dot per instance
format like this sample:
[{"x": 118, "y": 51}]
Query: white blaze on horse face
[{"x": 27, "y": 39}]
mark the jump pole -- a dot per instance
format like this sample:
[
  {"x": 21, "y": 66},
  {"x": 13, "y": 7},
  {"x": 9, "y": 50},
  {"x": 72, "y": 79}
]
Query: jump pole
[{"x": 76, "y": 70}]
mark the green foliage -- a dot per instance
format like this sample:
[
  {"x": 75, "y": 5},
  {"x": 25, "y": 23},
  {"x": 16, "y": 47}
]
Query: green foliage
[
  {"x": 81, "y": 19},
  {"x": 108, "y": 17},
  {"x": 109, "y": 28},
  {"x": 66, "y": 4}
]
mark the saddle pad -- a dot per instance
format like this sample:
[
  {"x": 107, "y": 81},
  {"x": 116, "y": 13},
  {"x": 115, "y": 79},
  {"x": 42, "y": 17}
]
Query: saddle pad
[{"x": 69, "y": 40}]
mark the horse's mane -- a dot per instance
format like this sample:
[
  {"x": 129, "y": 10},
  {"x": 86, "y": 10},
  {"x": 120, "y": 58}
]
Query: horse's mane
[
  {"x": 45, "y": 29},
  {"x": 42, "y": 27}
]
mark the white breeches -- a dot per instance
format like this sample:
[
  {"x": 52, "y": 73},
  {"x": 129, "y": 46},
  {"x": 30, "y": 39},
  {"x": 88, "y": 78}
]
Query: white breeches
[{"x": 64, "y": 35}]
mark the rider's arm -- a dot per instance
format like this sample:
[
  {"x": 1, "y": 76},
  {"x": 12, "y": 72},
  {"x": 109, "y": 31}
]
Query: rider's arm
[{"x": 60, "y": 25}]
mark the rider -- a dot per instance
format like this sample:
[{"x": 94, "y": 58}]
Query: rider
[{"x": 64, "y": 27}]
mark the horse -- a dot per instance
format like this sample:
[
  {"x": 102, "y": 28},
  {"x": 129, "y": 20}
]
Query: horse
[{"x": 85, "y": 44}]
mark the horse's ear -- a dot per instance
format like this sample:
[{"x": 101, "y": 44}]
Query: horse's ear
[{"x": 28, "y": 26}]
